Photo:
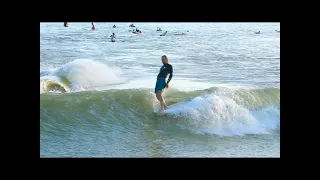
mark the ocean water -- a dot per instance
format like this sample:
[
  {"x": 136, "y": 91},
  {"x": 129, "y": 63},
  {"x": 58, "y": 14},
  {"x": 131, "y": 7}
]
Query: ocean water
[{"x": 97, "y": 100}]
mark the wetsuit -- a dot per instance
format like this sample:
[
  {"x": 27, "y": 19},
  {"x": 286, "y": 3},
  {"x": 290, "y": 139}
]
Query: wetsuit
[{"x": 161, "y": 78}]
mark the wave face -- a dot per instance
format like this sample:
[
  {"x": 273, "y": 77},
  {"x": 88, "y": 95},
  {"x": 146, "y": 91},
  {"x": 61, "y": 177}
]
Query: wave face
[
  {"x": 82, "y": 106},
  {"x": 215, "y": 111}
]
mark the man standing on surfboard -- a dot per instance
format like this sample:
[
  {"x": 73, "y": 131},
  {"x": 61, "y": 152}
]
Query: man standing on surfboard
[{"x": 161, "y": 80}]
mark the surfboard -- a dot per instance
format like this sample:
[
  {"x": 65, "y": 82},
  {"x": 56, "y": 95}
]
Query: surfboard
[{"x": 176, "y": 107}]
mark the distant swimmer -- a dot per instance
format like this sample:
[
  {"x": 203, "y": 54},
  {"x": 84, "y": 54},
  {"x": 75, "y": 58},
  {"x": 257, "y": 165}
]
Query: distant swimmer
[
  {"x": 131, "y": 25},
  {"x": 137, "y": 31},
  {"x": 93, "y": 27},
  {"x": 257, "y": 32},
  {"x": 180, "y": 34},
  {"x": 113, "y": 35},
  {"x": 114, "y": 26},
  {"x": 161, "y": 80},
  {"x": 65, "y": 24},
  {"x": 159, "y": 29},
  {"x": 164, "y": 33}
]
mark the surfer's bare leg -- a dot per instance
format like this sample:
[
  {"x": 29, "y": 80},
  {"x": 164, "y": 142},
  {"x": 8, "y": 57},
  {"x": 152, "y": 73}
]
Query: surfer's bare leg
[{"x": 160, "y": 98}]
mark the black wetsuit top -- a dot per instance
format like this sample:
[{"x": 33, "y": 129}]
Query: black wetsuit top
[{"x": 164, "y": 71}]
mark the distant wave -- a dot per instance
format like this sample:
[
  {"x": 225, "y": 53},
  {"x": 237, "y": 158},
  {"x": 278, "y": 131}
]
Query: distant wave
[
  {"x": 78, "y": 75},
  {"x": 266, "y": 57}
]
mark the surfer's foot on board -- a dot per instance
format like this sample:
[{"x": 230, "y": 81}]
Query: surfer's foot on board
[{"x": 163, "y": 106}]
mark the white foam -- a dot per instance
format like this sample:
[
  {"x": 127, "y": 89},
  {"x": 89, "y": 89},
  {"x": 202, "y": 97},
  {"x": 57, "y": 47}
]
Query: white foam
[
  {"x": 219, "y": 114},
  {"x": 88, "y": 74}
]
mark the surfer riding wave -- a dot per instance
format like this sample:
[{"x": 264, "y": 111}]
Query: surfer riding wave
[{"x": 161, "y": 81}]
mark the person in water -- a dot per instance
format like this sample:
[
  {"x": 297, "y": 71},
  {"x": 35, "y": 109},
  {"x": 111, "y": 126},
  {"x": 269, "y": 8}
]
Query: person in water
[
  {"x": 65, "y": 24},
  {"x": 161, "y": 80},
  {"x": 137, "y": 30},
  {"x": 93, "y": 27},
  {"x": 164, "y": 33},
  {"x": 113, "y": 35},
  {"x": 114, "y": 26}
]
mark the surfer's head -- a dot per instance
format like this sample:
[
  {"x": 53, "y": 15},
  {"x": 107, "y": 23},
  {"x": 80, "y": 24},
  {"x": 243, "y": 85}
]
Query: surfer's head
[{"x": 164, "y": 59}]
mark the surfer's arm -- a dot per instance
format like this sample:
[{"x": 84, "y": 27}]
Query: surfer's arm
[{"x": 171, "y": 74}]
